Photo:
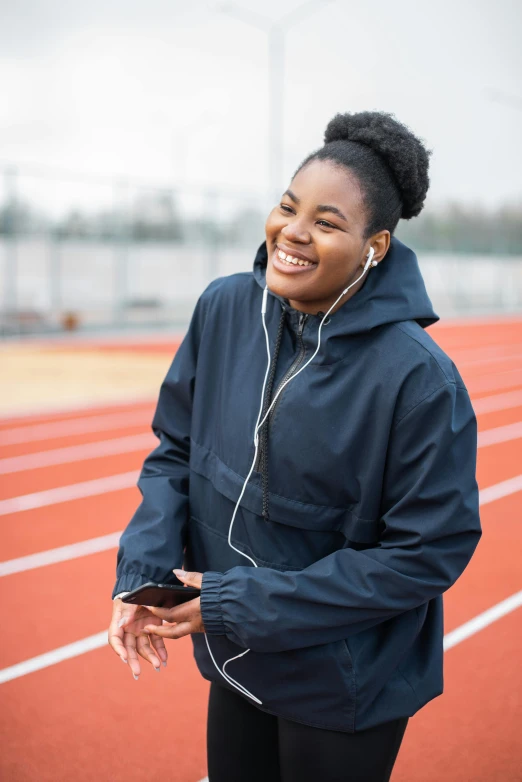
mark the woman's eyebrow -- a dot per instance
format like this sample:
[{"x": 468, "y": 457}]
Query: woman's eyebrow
[
  {"x": 319, "y": 208},
  {"x": 293, "y": 196},
  {"x": 333, "y": 209}
]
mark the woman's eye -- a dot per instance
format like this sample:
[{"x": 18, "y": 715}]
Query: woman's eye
[
  {"x": 285, "y": 208},
  {"x": 324, "y": 222}
]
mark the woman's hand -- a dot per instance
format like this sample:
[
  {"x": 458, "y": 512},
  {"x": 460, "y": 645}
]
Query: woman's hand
[
  {"x": 183, "y": 619},
  {"x": 128, "y": 637}
]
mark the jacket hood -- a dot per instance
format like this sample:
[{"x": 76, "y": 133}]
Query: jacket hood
[{"x": 391, "y": 292}]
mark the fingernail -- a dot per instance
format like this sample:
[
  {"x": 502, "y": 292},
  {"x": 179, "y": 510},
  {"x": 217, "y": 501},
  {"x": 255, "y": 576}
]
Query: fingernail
[
  {"x": 122, "y": 622},
  {"x": 123, "y": 659},
  {"x": 164, "y": 664},
  {"x": 179, "y": 573},
  {"x": 136, "y": 677},
  {"x": 157, "y": 669}
]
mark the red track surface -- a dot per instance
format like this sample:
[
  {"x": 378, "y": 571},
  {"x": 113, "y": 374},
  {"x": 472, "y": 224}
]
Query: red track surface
[{"x": 86, "y": 718}]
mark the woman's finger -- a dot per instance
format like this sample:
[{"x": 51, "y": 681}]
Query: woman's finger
[
  {"x": 189, "y": 579},
  {"x": 123, "y": 614},
  {"x": 144, "y": 649},
  {"x": 172, "y": 631},
  {"x": 115, "y": 634},
  {"x": 129, "y": 641},
  {"x": 161, "y": 613},
  {"x": 161, "y": 650},
  {"x": 182, "y": 613},
  {"x": 115, "y": 638}
]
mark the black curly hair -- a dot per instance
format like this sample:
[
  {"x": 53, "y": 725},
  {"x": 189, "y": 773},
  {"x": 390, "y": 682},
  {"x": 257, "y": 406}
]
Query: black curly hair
[{"x": 389, "y": 161}]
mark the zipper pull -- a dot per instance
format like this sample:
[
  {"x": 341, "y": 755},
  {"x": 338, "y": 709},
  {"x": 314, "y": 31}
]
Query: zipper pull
[{"x": 303, "y": 317}]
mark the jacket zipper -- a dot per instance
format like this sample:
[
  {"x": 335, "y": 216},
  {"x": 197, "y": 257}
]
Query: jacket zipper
[{"x": 296, "y": 363}]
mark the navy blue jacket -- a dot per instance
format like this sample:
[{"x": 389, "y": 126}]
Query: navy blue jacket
[{"x": 362, "y": 511}]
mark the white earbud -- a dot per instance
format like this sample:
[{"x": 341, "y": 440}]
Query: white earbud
[{"x": 369, "y": 261}]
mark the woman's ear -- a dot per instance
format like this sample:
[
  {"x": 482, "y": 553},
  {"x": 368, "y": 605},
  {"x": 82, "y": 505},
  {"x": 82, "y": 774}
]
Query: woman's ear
[{"x": 380, "y": 243}]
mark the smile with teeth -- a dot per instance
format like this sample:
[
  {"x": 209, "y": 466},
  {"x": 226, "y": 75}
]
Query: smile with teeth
[{"x": 291, "y": 260}]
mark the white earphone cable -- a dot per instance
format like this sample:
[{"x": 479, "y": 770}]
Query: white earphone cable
[
  {"x": 259, "y": 424},
  {"x": 222, "y": 671}
]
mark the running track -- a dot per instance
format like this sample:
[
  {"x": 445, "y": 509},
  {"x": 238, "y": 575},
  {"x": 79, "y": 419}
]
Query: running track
[{"x": 70, "y": 708}]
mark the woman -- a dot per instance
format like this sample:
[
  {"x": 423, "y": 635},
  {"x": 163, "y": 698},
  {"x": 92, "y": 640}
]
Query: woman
[{"x": 323, "y": 500}]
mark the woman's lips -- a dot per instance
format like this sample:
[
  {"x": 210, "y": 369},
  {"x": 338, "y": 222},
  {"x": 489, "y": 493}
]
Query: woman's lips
[{"x": 290, "y": 268}]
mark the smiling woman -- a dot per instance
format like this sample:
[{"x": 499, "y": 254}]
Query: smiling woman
[
  {"x": 344, "y": 198},
  {"x": 323, "y": 513}
]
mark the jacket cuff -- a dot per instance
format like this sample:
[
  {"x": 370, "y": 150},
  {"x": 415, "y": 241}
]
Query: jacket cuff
[
  {"x": 210, "y": 603},
  {"x": 127, "y": 582}
]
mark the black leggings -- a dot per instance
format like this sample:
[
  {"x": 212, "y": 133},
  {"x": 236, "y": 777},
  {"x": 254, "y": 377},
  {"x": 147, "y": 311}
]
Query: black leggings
[{"x": 244, "y": 744}]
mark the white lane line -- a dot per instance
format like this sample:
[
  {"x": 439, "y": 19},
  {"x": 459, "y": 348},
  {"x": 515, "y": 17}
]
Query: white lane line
[
  {"x": 496, "y": 402},
  {"x": 77, "y": 453},
  {"x": 75, "y": 491},
  {"x": 72, "y": 426},
  {"x": 113, "y": 421},
  {"x": 459, "y": 354},
  {"x": 500, "y": 434},
  {"x": 128, "y": 480},
  {"x": 492, "y": 359},
  {"x": 32, "y": 412},
  {"x": 55, "y": 656},
  {"x": 482, "y": 620},
  {"x": 106, "y": 542},
  {"x": 100, "y": 639},
  {"x": 500, "y": 490},
  {"x": 494, "y": 381},
  {"x": 61, "y": 554}
]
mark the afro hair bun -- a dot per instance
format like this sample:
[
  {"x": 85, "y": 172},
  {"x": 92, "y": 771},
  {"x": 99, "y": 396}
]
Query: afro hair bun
[{"x": 405, "y": 154}]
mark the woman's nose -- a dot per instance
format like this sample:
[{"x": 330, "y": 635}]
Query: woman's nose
[{"x": 295, "y": 231}]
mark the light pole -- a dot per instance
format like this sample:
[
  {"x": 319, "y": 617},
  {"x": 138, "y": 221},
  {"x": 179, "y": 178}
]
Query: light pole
[{"x": 276, "y": 32}]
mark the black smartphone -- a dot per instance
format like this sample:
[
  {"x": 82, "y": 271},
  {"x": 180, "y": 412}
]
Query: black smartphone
[{"x": 161, "y": 595}]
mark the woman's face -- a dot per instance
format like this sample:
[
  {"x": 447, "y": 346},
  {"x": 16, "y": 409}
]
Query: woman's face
[{"x": 320, "y": 223}]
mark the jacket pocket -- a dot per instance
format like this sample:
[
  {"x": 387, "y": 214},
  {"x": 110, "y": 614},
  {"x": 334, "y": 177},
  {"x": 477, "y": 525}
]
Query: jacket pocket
[
  {"x": 351, "y": 681},
  {"x": 285, "y": 510}
]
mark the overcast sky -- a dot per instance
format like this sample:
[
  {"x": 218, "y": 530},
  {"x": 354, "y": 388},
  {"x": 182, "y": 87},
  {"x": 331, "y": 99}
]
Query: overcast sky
[{"x": 157, "y": 88}]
